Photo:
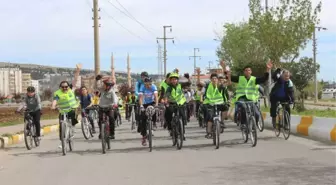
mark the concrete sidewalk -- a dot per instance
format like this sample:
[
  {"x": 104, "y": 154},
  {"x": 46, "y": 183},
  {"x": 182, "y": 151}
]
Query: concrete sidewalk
[{"x": 17, "y": 128}]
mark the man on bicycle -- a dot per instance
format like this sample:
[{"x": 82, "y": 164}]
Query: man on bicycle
[
  {"x": 224, "y": 113},
  {"x": 213, "y": 94},
  {"x": 282, "y": 91},
  {"x": 138, "y": 85},
  {"x": 246, "y": 86},
  {"x": 86, "y": 100},
  {"x": 163, "y": 88},
  {"x": 32, "y": 102},
  {"x": 148, "y": 96},
  {"x": 66, "y": 101},
  {"x": 130, "y": 99},
  {"x": 108, "y": 98},
  {"x": 174, "y": 95}
]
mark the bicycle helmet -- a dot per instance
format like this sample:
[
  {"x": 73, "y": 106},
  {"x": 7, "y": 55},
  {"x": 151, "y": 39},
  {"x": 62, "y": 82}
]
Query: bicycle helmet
[
  {"x": 174, "y": 75},
  {"x": 144, "y": 74},
  {"x": 148, "y": 79},
  {"x": 108, "y": 82},
  {"x": 31, "y": 89}
]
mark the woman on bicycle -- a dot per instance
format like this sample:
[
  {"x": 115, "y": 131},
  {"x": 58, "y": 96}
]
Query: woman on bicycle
[
  {"x": 148, "y": 95},
  {"x": 32, "y": 102}
]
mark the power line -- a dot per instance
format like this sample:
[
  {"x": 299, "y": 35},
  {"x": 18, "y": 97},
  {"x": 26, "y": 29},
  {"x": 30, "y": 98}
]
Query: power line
[
  {"x": 129, "y": 15},
  {"x": 111, "y": 17}
]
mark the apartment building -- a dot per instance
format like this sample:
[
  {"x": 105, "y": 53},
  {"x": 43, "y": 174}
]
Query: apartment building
[
  {"x": 26, "y": 81},
  {"x": 10, "y": 81},
  {"x": 36, "y": 84}
]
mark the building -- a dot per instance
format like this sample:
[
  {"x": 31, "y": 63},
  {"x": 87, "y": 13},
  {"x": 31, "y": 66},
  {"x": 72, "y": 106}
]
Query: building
[
  {"x": 36, "y": 84},
  {"x": 26, "y": 81},
  {"x": 10, "y": 81}
]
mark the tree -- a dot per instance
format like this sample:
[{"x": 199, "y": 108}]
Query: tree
[
  {"x": 303, "y": 73},
  {"x": 123, "y": 89},
  {"x": 239, "y": 48},
  {"x": 284, "y": 29}
]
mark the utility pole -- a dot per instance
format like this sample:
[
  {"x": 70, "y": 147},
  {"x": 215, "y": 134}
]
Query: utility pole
[
  {"x": 129, "y": 71},
  {"x": 165, "y": 38},
  {"x": 210, "y": 62},
  {"x": 160, "y": 61},
  {"x": 96, "y": 26},
  {"x": 199, "y": 57},
  {"x": 314, "y": 56}
]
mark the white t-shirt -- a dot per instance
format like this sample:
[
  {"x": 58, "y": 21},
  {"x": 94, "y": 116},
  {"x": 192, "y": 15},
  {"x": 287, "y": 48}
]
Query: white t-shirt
[{"x": 187, "y": 95}]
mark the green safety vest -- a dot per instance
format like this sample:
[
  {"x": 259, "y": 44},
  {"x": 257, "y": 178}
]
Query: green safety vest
[
  {"x": 164, "y": 85},
  {"x": 130, "y": 99},
  {"x": 257, "y": 92},
  {"x": 66, "y": 100},
  {"x": 213, "y": 95},
  {"x": 197, "y": 97},
  {"x": 177, "y": 95},
  {"x": 246, "y": 88}
]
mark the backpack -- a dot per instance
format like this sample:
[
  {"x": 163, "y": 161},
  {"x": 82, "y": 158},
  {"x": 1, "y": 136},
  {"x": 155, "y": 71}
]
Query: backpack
[{"x": 89, "y": 97}]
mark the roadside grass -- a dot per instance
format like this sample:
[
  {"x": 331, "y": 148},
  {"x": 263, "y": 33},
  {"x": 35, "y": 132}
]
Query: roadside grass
[{"x": 328, "y": 113}]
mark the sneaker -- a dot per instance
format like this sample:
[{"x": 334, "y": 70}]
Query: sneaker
[{"x": 144, "y": 141}]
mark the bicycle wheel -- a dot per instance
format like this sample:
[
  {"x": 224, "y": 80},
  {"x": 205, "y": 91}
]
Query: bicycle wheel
[
  {"x": 103, "y": 137},
  {"x": 85, "y": 128},
  {"x": 261, "y": 123},
  {"x": 216, "y": 134},
  {"x": 150, "y": 134},
  {"x": 245, "y": 129},
  {"x": 107, "y": 135},
  {"x": 119, "y": 118},
  {"x": 70, "y": 141},
  {"x": 179, "y": 134},
  {"x": 36, "y": 139},
  {"x": 253, "y": 131},
  {"x": 63, "y": 137},
  {"x": 278, "y": 125},
  {"x": 133, "y": 121},
  {"x": 286, "y": 125},
  {"x": 28, "y": 138}
]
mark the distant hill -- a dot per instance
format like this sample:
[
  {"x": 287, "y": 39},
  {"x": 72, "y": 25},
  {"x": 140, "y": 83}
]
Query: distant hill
[{"x": 38, "y": 71}]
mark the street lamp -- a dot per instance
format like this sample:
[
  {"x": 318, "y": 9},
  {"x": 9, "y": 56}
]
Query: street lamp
[{"x": 319, "y": 28}]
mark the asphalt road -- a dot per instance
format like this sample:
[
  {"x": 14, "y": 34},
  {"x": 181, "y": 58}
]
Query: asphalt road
[{"x": 273, "y": 161}]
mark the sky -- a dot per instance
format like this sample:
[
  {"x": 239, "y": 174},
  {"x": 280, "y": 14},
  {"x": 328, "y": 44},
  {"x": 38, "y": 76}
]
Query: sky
[{"x": 60, "y": 32}]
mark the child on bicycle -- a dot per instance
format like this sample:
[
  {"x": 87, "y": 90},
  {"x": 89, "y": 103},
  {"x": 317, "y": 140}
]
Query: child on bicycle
[{"x": 32, "y": 102}]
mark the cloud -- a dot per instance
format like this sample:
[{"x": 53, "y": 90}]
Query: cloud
[{"x": 50, "y": 31}]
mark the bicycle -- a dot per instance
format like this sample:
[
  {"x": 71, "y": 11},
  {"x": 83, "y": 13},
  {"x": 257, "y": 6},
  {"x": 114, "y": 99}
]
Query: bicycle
[
  {"x": 150, "y": 111},
  {"x": 118, "y": 116},
  {"x": 283, "y": 121},
  {"x": 216, "y": 126},
  {"x": 85, "y": 123},
  {"x": 132, "y": 115},
  {"x": 249, "y": 128},
  {"x": 29, "y": 131},
  {"x": 160, "y": 115},
  {"x": 261, "y": 122},
  {"x": 177, "y": 126},
  {"x": 200, "y": 116},
  {"x": 67, "y": 131},
  {"x": 105, "y": 129}
]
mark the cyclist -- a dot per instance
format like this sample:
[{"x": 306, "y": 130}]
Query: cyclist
[
  {"x": 246, "y": 86},
  {"x": 224, "y": 113},
  {"x": 174, "y": 95},
  {"x": 32, "y": 102},
  {"x": 138, "y": 85},
  {"x": 108, "y": 98},
  {"x": 213, "y": 94},
  {"x": 66, "y": 101},
  {"x": 130, "y": 99},
  {"x": 148, "y": 95},
  {"x": 187, "y": 95},
  {"x": 86, "y": 100},
  {"x": 163, "y": 88},
  {"x": 282, "y": 91},
  {"x": 198, "y": 94}
]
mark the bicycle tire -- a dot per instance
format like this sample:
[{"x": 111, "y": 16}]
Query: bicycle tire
[
  {"x": 119, "y": 118},
  {"x": 133, "y": 121},
  {"x": 286, "y": 125},
  {"x": 103, "y": 139},
  {"x": 216, "y": 135},
  {"x": 63, "y": 138},
  {"x": 179, "y": 134},
  {"x": 150, "y": 135},
  {"x": 27, "y": 135},
  {"x": 70, "y": 141},
  {"x": 261, "y": 123},
  {"x": 85, "y": 128},
  {"x": 253, "y": 131},
  {"x": 278, "y": 125},
  {"x": 245, "y": 131},
  {"x": 35, "y": 138}
]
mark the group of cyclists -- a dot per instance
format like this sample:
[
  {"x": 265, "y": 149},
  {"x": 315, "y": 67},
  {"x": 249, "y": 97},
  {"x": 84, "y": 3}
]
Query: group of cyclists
[{"x": 170, "y": 94}]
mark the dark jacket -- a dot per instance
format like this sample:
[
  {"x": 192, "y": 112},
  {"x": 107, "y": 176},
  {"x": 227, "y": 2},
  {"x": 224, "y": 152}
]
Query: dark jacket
[{"x": 289, "y": 87}]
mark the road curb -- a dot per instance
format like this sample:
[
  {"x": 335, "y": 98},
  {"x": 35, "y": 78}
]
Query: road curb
[
  {"x": 18, "y": 138},
  {"x": 311, "y": 127}
]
